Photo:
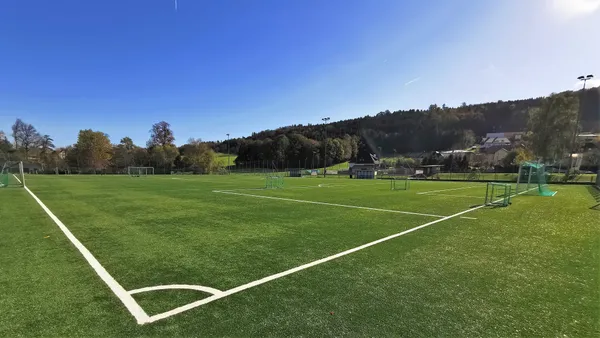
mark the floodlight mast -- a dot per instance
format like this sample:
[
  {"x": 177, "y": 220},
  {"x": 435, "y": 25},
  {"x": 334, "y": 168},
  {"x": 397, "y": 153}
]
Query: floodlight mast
[
  {"x": 325, "y": 119},
  {"x": 574, "y": 140}
]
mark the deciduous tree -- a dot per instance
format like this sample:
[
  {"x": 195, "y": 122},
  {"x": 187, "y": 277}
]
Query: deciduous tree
[
  {"x": 94, "y": 149},
  {"x": 551, "y": 125},
  {"x": 161, "y": 135},
  {"x": 26, "y": 137}
]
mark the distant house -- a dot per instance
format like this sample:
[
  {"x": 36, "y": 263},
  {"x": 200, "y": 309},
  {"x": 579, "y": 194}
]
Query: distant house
[
  {"x": 364, "y": 164},
  {"x": 493, "y": 156},
  {"x": 508, "y": 140},
  {"x": 469, "y": 154}
]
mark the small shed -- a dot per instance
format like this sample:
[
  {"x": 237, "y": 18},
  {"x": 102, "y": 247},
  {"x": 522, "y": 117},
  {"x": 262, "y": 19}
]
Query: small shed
[{"x": 364, "y": 165}]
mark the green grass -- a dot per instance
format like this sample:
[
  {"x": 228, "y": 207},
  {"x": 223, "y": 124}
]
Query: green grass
[
  {"x": 527, "y": 270},
  {"x": 223, "y": 159}
]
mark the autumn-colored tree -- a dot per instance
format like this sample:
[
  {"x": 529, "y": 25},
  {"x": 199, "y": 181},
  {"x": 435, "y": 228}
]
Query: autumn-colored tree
[{"x": 93, "y": 149}]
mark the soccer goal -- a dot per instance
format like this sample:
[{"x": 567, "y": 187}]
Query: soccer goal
[
  {"x": 140, "y": 171},
  {"x": 273, "y": 182},
  {"x": 12, "y": 175},
  {"x": 532, "y": 178},
  {"x": 498, "y": 194},
  {"x": 400, "y": 183}
]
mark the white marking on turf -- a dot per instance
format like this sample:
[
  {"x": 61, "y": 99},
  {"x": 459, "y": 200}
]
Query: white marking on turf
[
  {"x": 449, "y": 195},
  {"x": 134, "y": 308},
  {"x": 177, "y": 287},
  {"x": 329, "y": 204},
  {"x": 246, "y": 286},
  {"x": 432, "y": 191},
  {"x": 468, "y": 217},
  {"x": 17, "y": 179}
]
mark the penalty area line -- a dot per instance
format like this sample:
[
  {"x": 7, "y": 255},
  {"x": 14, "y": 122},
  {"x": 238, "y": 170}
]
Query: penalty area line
[
  {"x": 328, "y": 204},
  {"x": 299, "y": 268},
  {"x": 134, "y": 308},
  {"x": 441, "y": 190},
  {"x": 246, "y": 286}
]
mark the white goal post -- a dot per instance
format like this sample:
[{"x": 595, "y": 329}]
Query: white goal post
[{"x": 140, "y": 171}]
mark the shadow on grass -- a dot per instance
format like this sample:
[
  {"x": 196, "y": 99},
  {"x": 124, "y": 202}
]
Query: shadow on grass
[{"x": 595, "y": 192}]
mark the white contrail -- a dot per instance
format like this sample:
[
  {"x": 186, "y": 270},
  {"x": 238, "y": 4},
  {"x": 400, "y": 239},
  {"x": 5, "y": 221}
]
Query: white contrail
[
  {"x": 412, "y": 81},
  {"x": 175, "y": 5}
]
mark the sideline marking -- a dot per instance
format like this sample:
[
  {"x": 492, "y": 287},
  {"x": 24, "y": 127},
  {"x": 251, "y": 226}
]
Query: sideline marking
[
  {"x": 246, "y": 286},
  {"x": 134, "y": 308},
  {"x": 432, "y": 191},
  {"x": 329, "y": 204},
  {"x": 15, "y": 176}
]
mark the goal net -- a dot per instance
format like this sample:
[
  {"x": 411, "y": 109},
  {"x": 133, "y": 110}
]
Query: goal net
[
  {"x": 532, "y": 179},
  {"x": 399, "y": 183},
  {"x": 12, "y": 175},
  {"x": 140, "y": 171},
  {"x": 498, "y": 194},
  {"x": 273, "y": 182}
]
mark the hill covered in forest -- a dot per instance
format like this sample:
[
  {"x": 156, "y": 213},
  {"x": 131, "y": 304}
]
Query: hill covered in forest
[{"x": 402, "y": 131}]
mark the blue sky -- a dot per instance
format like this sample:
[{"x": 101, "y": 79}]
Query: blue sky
[{"x": 240, "y": 66}]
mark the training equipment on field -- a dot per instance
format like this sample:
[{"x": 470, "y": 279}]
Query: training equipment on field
[
  {"x": 532, "y": 178},
  {"x": 12, "y": 174},
  {"x": 498, "y": 194},
  {"x": 273, "y": 182},
  {"x": 140, "y": 171},
  {"x": 402, "y": 184},
  {"x": 296, "y": 172}
]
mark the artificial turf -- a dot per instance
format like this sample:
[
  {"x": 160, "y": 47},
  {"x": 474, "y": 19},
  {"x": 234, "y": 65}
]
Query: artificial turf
[{"x": 531, "y": 269}]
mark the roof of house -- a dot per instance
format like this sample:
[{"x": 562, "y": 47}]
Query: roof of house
[
  {"x": 492, "y": 141},
  {"x": 492, "y": 150}
]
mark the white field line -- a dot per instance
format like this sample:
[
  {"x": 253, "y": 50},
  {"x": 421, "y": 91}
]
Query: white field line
[
  {"x": 442, "y": 190},
  {"x": 246, "y": 286},
  {"x": 468, "y": 217},
  {"x": 134, "y": 308},
  {"x": 177, "y": 287},
  {"x": 17, "y": 178},
  {"x": 449, "y": 195},
  {"x": 329, "y": 204}
]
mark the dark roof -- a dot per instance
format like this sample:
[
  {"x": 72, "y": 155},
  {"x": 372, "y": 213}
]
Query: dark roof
[{"x": 492, "y": 150}]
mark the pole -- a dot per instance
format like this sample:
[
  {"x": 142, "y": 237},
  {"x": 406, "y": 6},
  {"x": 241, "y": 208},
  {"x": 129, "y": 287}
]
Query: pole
[
  {"x": 325, "y": 119},
  {"x": 228, "y": 154},
  {"x": 574, "y": 141}
]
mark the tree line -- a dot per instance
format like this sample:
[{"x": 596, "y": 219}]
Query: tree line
[
  {"x": 94, "y": 152},
  {"x": 548, "y": 122}
]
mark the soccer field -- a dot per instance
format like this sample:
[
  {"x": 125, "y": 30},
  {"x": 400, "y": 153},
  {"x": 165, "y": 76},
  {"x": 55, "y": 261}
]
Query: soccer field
[{"x": 219, "y": 256}]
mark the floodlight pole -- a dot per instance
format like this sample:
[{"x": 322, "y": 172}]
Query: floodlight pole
[
  {"x": 325, "y": 119},
  {"x": 228, "y": 154},
  {"x": 574, "y": 141}
]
